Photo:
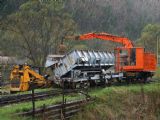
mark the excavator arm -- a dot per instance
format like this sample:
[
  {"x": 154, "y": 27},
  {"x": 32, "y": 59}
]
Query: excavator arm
[
  {"x": 104, "y": 36},
  {"x": 34, "y": 74}
]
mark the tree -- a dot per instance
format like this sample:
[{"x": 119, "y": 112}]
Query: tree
[
  {"x": 9, "y": 6},
  {"x": 149, "y": 36},
  {"x": 114, "y": 16},
  {"x": 37, "y": 29}
]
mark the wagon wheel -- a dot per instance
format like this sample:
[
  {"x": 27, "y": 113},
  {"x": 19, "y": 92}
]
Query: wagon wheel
[
  {"x": 119, "y": 80},
  {"x": 108, "y": 82}
]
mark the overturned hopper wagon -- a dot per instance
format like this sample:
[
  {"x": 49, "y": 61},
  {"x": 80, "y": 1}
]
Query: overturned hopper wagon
[{"x": 85, "y": 68}]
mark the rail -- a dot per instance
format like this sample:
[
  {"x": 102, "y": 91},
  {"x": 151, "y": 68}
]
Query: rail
[{"x": 7, "y": 100}]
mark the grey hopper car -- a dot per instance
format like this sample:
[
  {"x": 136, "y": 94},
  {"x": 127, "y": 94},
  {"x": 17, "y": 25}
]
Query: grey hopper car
[{"x": 81, "y": 66}]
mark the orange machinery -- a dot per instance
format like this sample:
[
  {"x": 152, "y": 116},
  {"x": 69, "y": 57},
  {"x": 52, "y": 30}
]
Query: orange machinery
[{"x": 134, "y": 62}]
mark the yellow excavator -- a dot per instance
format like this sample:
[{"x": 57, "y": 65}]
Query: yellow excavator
[{"x": 23, "y": 77}]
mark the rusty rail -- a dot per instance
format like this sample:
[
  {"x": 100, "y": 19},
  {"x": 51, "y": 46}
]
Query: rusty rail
[{"x": 28, "y": 97}]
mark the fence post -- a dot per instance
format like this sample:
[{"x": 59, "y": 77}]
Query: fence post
[
  {"x": 44, "y": 107},
  {"x": 33, "y": 101},
  {"x": 157, "y": 51},
  {"x": 63, "y": 101}
]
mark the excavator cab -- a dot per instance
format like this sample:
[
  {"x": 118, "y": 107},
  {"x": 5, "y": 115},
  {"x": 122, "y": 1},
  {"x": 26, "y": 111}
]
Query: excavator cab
[
  {"x": 134, "y": 61},
  {"x": 125, "y": 57}
]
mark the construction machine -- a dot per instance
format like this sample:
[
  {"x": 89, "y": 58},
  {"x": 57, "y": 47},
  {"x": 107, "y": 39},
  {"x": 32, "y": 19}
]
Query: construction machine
[
  {"x": 22, "y": 77},
  {"x": 134, "y": 62}
]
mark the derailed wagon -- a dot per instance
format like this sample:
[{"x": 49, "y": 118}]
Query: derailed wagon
[{"x": 85, "y": 68}]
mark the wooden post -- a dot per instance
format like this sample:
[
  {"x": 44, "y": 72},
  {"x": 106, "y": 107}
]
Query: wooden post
[
  {"x": 63, "y": 101},
  {"x": 44, "y": 117},
  {"x": 157, "y": 51},
  {"x": 33, "y": 101}
]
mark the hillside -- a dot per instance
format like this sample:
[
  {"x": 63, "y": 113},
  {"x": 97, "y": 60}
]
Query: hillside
[
  {"x": 140, "y": 102},
  {"x": 27, "y": 24}
]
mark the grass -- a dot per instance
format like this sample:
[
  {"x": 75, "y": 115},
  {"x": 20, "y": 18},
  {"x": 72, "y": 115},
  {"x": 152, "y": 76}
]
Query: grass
[
  {"x": 124, "y": 103},
  {"x": 6, "y": 113},
  {"x": 111, "y": 103},
  {"x": 130, "y": 102},
  {"x": 157, "y": 74},
  {"x": 115, "y": 102}
]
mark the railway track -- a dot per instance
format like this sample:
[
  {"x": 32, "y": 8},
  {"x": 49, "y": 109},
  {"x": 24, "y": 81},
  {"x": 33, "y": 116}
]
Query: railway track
[{"x": 7, "y": 100}]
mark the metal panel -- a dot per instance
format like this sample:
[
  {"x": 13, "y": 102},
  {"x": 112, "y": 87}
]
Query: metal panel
[{"x": 79, "y": 58}]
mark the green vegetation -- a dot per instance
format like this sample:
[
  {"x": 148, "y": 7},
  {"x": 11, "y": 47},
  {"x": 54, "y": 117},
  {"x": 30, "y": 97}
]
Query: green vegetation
[
  {"x": 35, "y": 25},
  {"x": 149, "y": 36},
  {"x": 7, "y": 112},
  {"x": 157, "y": 75},
  {"x": 124, "y": 103},
  {"x": 33, "y": 29}
]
